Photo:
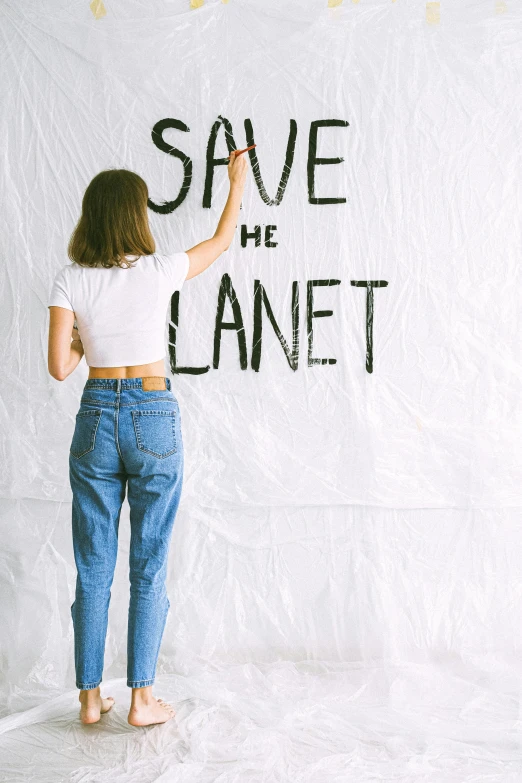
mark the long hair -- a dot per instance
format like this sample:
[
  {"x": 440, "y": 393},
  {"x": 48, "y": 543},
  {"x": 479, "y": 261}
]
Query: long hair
[{"x": 114, "y": 221}]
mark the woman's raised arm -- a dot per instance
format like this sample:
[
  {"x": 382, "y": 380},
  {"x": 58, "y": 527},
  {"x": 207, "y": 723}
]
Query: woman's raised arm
[{"x": 204, "y": 254}]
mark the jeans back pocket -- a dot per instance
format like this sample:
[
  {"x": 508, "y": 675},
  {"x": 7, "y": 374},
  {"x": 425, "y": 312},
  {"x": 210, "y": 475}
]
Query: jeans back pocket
[
  {"x": 84, "y": 437},
  {"x": 155, "y": 432}
]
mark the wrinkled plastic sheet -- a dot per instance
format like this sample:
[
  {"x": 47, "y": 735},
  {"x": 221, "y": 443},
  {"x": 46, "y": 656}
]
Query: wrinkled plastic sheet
[
  {"x": 346, "y": 565},
  {"x": 286, "y": 721}
]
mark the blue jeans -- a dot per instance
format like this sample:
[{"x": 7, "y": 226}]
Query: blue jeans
[{"x": 124, "y": 437}]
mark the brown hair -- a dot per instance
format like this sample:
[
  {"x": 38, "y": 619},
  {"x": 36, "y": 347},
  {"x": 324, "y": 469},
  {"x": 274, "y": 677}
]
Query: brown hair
[{"x": 114, "y": 221}]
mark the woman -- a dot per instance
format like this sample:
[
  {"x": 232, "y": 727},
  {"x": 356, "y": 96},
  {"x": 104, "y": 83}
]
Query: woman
[{"x": 128, "y": 430}]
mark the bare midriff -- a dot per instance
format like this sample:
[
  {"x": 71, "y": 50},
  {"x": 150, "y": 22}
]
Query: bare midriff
[{"x": 136, "y": 371}]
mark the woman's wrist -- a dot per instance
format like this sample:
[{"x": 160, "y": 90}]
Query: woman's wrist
[
  {"x": 229, "y": 217},
  {"x": 236, "y": 192}
]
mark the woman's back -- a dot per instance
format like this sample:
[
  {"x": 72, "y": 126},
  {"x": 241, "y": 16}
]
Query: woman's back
[{"x": 121, "y": 312}]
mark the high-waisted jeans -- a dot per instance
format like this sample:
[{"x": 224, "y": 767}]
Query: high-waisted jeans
[{"x": 125, "y": 438}]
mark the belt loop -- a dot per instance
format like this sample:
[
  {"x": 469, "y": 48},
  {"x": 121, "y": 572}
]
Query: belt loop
[
  {"x": 118, "y": 385},
  {"x": 168, "y": 383}
]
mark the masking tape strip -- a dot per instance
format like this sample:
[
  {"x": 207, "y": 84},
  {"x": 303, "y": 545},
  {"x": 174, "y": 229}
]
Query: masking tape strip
[
  {"x": 433, "y": 13},
  {"x": 98, "y": 9}
]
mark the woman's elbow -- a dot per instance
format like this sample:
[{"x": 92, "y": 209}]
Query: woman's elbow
[{"x": 57, "y": 373}]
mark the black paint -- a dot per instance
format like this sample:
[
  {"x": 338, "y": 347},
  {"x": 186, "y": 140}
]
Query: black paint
[
  {"x": 369, "y": 285},
  {"x": 226, "y": 289},
  {"x": 173, "y": 326},
  {"x": 269, "y": 230},
  {"x": 246, "y": 235},
  {"x": 314, "y": 161},
  {"x": 256, "y": 169},
  {"x": 157, "y": 137},
  {"x": 311, "y": 314},
  {"x": 256, "y": 235},
  {"x": 211, "y": 161},
  {"x": 260, "y": 299}
]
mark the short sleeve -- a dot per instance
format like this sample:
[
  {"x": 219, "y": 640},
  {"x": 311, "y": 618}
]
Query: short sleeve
[
  {"x": 60, "y": 295},
  {"x": 176, "y": 267}
]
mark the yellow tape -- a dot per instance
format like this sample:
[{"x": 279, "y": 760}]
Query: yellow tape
[
  {"x": 98, "y": 8},
  {"x": 433, "y": 13}
]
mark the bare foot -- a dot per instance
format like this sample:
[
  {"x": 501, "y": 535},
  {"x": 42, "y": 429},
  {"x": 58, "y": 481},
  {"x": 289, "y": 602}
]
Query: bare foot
[
  {"x": 150, "y": 711},
  {"x": 93, "y": 706}
]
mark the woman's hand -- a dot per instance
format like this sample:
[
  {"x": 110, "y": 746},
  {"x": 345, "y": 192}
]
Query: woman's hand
[
  {"x": 75, "y": 335},
  {"x": 237, "y": 170}
]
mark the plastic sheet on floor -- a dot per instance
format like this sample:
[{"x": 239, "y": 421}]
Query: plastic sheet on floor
[{"x": 306, "y": 722}]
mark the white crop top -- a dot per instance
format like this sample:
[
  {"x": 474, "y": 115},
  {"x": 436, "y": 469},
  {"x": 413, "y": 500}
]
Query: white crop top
[{"x": 121, "y": 313}]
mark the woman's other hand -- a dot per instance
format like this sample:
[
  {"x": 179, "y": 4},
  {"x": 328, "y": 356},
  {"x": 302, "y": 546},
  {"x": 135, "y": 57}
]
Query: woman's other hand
[{"x": 75, "y": 335}]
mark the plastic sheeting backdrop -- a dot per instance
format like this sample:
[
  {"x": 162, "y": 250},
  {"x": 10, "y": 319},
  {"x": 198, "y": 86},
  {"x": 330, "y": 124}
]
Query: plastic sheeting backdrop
[{"x": 346, "y": 567}]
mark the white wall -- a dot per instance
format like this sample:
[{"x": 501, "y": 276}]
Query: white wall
[{"x": 327, "y": 513}]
